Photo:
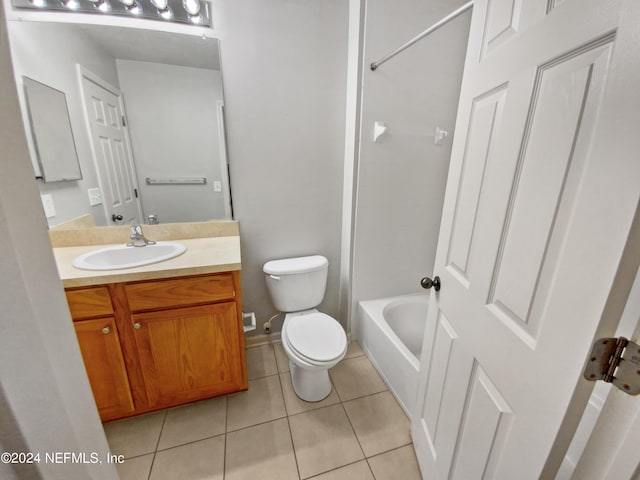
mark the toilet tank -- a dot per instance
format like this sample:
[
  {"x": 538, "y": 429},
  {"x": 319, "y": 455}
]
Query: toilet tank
[{"x": 296, "y": 283}]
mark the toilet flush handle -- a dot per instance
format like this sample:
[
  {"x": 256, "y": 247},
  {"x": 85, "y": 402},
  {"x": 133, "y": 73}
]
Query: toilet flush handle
[{"x": 275, "y": 277}]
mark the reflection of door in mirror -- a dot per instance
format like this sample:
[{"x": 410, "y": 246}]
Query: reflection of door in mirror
[{"x": 111, "y": 148}]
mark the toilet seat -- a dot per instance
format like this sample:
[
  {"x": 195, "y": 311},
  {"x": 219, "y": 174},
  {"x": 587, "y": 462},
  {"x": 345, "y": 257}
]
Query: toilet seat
[{"x": 316, "y": 338}]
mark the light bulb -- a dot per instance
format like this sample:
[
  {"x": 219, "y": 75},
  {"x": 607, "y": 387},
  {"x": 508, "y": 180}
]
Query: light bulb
[
  {"x": 101, "y": 5},
  {"x": 160, "y": 4},
  {"x": 166, "y": 13},
  {"x": 135, "y": 8},
  {"x": 192, "y": 7},
  {"x": 72, "y": 4}
]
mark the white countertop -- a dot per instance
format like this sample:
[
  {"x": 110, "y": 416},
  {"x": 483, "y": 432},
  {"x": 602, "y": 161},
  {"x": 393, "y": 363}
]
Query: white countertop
[{"x": 203, "y": 255}]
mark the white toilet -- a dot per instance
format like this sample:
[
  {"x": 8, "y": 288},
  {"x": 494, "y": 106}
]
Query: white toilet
[{"x": 313, "y": 341}]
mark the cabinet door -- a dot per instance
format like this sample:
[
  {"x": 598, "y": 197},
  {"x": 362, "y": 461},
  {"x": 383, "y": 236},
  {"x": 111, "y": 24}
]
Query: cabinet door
[
  {"x": 103, "y": 360},
  {"x": 189, "y": 353}
]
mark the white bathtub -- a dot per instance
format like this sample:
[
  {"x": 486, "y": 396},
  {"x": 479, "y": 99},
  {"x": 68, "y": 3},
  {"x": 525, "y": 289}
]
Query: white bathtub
[{"x": 390, "y": 332}]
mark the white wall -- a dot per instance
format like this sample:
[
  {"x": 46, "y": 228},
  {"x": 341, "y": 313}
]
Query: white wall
[
  {"x": 401, "y": 179},
  {"x": 284, "y": 70},
  {"x": 45, "y": 399},
  {"x": 188, "y": 110},
  {"x": 48, "y": 53}
]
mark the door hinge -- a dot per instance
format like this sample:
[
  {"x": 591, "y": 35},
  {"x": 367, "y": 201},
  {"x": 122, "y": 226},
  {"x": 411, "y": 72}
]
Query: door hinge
[
  {"x": 616, "y": 361},
  {"x": 135, "y": 191},
  {"x": 124, "y": 121}
]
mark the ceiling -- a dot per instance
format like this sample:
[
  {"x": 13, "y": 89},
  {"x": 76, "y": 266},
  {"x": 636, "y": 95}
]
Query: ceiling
[{"x": 154, "y": 46}]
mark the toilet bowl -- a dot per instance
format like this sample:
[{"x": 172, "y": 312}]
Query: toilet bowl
[{"x": 313, "y": 341}]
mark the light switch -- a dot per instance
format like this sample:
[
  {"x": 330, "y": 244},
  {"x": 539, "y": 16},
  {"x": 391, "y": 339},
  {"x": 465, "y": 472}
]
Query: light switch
[
  {"x": 95, "y": 196},
  {"x": 47, "y": 203},
  {"x": 217, "y": 186}
]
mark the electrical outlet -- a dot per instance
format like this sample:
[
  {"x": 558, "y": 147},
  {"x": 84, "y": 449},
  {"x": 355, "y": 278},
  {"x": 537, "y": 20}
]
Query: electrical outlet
[
  {"x": 95, "y": 196},
  {"x": 217, "y": 186},
  {"x": 47, "y": 203}
]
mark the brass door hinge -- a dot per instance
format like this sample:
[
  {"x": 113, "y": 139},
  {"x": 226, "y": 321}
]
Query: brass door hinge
[{"x": 616, "y": 361}]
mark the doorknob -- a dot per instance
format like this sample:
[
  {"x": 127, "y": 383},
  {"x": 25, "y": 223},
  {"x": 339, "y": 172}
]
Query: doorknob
[
  {"x": 116, "y": 218},
  {"x": 427, "y": 283}
]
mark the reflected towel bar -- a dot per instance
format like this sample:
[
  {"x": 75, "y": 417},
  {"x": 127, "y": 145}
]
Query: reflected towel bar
[
  {"x": 429, "y": 30},
  {"x": 176, "y": 181}
]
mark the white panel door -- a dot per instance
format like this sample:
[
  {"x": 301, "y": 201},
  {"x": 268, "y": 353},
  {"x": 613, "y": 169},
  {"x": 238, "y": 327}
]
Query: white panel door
[
  {"x": 543, "y": 187},
  {"x": 104, "y": 112}
]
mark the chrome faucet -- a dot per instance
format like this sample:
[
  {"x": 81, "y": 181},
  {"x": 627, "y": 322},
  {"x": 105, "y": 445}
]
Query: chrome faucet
[{"x": 137, "y": 237}]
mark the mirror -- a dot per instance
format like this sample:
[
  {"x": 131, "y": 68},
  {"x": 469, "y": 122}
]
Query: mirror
[
  {"x": 51, "y": 132},
  {"x": 146, "y": 109}
]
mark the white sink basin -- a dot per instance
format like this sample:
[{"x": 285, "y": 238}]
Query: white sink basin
[{"x": 115, "y": 258}]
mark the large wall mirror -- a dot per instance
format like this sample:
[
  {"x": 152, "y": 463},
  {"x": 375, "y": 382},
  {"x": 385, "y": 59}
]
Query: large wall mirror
[{"x": 146, "y": 109}]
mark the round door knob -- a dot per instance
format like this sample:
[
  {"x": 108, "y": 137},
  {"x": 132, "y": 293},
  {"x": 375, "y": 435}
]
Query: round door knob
[
  {"x": 116, "y": 218},
  {"x": 106, "y": 330},
  {"x": 427, "y": 283},
  {"x": 137, "y": 326}
]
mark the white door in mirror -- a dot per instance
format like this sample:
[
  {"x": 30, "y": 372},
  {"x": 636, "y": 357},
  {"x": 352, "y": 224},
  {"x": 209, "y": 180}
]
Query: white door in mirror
[{"x": 119, "y": 257}]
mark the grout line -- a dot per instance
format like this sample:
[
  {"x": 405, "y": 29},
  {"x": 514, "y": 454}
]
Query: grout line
[
  {"x": 256, "y": 424},
  {"x": 337, "y": 468},
  {"x": 293, "y": 446},
  {"x": 390, "y": 450},
  {"x": 355, "y": 434},
  {"x": 284, "y": 401},
  {"x": 155, "y": 451},
  {"x": 190, "y": 442}
]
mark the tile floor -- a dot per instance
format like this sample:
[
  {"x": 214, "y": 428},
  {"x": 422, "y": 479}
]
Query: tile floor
[{"x": 358, "y": 432}]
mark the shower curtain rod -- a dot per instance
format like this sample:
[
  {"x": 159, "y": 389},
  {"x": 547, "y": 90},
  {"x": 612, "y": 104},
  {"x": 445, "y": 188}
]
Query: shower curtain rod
[{"x": 429, "y": 30}]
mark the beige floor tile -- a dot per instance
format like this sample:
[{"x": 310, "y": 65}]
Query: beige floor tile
[
  {"x": 263, "y": 402},
  {"x": 400, "y": 463},
  {"x": 296, "y": 405},
  {"x": 203, "y": 460},
  {"x": 261, "y": 362},
  {"x": 355, "y": 471},
  {"x": 379, "y": 423},
  {"x": 281, "y": 357},
  {"x": 262, "y": 452},
  {"x": 354, "y": 350},
  {"x": 356, "y": 377},
  {"x": 135, "y": 468},
  {"x": 323, "y": 440},
  {"x": 192, "y": 422},
  {"x": 134, "y": 436}
]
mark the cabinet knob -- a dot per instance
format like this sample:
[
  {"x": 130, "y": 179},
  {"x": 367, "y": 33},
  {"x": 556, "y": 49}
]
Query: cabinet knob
[
  {"x": 137, "y": 326},
  {"x": 106, "y": 330}
]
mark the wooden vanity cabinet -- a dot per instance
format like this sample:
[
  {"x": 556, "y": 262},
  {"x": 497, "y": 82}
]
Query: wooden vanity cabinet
[
  {"x": 182, "y": 339},
  {"x": 100, "y": 347}
]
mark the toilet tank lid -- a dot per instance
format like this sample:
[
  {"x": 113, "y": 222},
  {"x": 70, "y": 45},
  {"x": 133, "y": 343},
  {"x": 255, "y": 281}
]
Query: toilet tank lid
[{"x": 289, "y": 266}]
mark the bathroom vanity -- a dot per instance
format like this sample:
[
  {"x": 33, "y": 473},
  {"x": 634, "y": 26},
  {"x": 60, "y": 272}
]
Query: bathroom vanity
[{"x": 160, "y": 335}]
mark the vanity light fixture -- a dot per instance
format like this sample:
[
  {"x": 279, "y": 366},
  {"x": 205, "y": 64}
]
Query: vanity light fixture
[{"x": 190, "y": 12}]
